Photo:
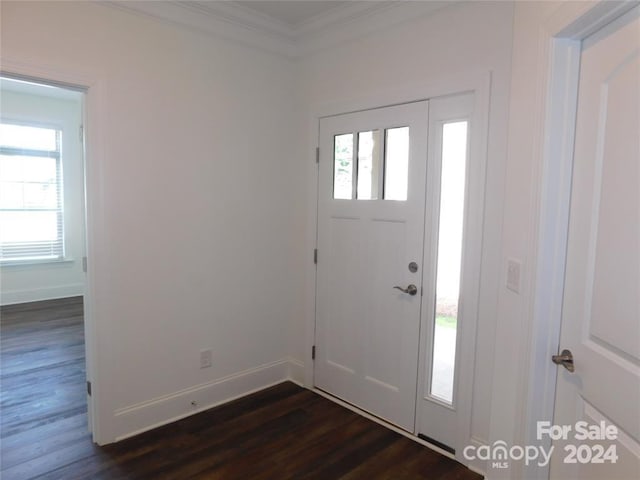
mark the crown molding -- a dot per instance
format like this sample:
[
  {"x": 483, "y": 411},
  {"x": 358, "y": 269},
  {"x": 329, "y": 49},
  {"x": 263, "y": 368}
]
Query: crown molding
[
  {"x": 218, "y": 19},
  {"x": 235, "y": 22},
  {"x": 358, "y": 19},
  {"x": 237, "y": 14}
]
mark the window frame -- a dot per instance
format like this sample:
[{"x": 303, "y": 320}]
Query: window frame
[{"x": 59, "y": 244}]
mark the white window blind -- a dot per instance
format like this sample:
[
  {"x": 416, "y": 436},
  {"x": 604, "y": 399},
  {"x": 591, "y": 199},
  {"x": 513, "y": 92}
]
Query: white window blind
[{"x": 31, "y": 209}]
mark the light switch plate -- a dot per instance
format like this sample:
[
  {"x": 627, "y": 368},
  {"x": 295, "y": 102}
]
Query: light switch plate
[
  {"x": 514, "y": 271},
  {"x": 205, "y": 358}
]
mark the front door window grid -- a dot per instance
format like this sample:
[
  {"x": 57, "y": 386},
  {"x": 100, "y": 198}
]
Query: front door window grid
[{"x": 360, "y": 158}]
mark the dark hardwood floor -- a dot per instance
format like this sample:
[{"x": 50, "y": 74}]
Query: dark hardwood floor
[{"x": 284, "y": 432}]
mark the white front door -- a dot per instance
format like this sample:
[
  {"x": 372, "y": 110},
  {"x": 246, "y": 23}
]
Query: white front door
[
  {"x": 601, "y": 308},
  {"x": 370, "y": 246}
]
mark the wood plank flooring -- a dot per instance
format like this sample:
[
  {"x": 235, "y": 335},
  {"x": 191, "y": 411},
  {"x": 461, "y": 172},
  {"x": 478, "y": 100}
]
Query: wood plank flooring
[{"x": 284, "y": 432}]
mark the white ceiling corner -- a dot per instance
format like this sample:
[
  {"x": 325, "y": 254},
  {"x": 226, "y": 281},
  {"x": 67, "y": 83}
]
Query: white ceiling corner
[
  {"x": 271, "y": 27},
  {"x": 292, "y": 13}
]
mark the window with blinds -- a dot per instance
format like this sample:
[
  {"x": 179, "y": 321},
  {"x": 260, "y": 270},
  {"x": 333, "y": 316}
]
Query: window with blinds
[{"x": 31, "y": 207}]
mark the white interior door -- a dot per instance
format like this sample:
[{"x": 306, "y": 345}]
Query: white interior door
[
  {"x": 370, "y": 229},
  {"x": 601, "y": 307}
]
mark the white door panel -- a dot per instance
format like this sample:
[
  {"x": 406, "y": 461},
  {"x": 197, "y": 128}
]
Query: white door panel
[
  {"x": 366, "y": 331},
  {"x": 601, "y": 308}
]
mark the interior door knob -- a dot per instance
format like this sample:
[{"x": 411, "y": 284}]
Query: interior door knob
[
  {"x": 411, "y": 289},
  {"x": 565, "y": 359}
]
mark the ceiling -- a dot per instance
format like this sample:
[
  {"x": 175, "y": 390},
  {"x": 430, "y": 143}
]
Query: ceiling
[{"x": 292, "y": 12}]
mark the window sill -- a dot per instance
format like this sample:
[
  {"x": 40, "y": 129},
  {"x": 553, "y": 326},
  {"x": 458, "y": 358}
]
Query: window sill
[{"x": 36, "y": 263}]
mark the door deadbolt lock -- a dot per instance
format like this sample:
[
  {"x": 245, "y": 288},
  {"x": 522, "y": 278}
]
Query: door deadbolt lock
[
  {"x": 413, "y": 267},
  {"x": 565, "y": 359}
]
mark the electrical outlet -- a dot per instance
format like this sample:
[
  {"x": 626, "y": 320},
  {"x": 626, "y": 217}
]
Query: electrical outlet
[{"x": 205, "y": 358}]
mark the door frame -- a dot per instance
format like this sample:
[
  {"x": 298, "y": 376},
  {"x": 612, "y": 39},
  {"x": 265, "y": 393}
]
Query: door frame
[
  {"x": 478, "y": 83},
  {"x": 559, "y": 58},
  {"x": 93, "y": 106}
]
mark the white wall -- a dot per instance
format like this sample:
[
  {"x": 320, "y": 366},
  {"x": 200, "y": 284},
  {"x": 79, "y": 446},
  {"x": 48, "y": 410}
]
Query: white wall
[
  {"x": 520, "y": 222},
  {"x": 190, "y": 191},
  {"x": 41, "y": 281},
  {"x": 420, "y": 55}
]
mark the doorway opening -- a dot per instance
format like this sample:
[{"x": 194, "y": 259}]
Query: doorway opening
[{"x": 42, "y": 262}]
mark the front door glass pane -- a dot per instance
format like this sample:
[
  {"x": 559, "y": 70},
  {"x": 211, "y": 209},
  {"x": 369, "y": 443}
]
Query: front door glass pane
[
  {"x": 368, "y": 164},
  {"x": 396, "y": 166},
  {"x": 343, "y": 167}
]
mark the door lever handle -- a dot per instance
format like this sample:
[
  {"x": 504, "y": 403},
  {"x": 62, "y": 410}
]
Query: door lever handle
[
  {"x": 411, "y": 289},
  {"x": 565, "y": 359}
]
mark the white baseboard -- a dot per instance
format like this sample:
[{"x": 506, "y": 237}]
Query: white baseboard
[
  {"x": 296, "y": 371},
  {"x": 135, "y": 419},
  {"x": 35, "y": 295},
  {"x": 476, "y": 465}
]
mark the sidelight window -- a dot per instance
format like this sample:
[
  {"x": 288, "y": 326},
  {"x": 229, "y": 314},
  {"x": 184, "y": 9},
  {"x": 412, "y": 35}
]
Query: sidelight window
[{"x": 450, "y": 234}]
